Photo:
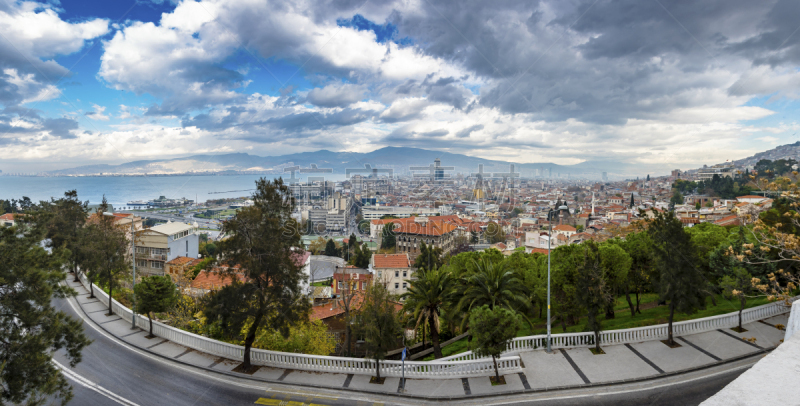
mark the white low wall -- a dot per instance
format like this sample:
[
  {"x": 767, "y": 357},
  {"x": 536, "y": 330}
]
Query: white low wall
[
  {"x": 318, "y": 363},
  {"x": 639, "y": 334},
  {"x": 772, "y": 380},
  {"x": 793, "y": 325}
]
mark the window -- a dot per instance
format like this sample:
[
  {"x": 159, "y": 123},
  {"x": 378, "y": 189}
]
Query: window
[
  {"x": 340, "y": 285},
  {"x": 397, "y": 286},
  {"x": 363, "y": 285},
  {"x": 187, "y": 248},
  {"x": 396, "y": 274},
  {"x": 405, "y": 285},
  {"x": 405, "y": 274}
]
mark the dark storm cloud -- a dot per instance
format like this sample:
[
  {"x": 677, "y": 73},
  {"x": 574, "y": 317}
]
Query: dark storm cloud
[
  {"x": 206, "y": 121},
  {"x": 60, "y": 127},
  {"x": 317, "y": 121},
  {"x": 598, "y": 61},
  {"x": 335, "y": 96}
]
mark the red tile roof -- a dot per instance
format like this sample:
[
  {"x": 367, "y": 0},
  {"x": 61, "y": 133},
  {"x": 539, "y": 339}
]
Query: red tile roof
[
  {"x": 214, "y": 280},
  {"x": 335, "y": 308},
  {"x": 391, "y": 261},
  {"x": 432, "y": 228},
  {"x": 728, "y": 221},
  {"x": 180, "y": 261},
  {"x": 564, "y": 227}
]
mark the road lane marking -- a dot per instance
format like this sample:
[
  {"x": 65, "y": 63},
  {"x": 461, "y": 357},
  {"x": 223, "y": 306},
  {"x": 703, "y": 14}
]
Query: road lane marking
[
  {"x": 92, "y": 386},
  {"x": 278, "y": 402},
  {"x": 299, "y": 393},
  {"x": 195, "y": 370}
]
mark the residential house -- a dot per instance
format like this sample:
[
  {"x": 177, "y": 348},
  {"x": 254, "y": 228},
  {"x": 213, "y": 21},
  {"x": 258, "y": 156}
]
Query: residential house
[
  {"x": 411, "y": 235},
  {"x": 565, "y": 230},
  {"x": 393, "y": 270},
  {"x": 350, "y": 277},
  {"x": 157, "y": 245},
  {"x": 9, "y": 219}
]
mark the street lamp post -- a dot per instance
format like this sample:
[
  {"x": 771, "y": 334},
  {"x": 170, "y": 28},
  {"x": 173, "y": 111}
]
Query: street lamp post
[{"x": 549, "y": 238}]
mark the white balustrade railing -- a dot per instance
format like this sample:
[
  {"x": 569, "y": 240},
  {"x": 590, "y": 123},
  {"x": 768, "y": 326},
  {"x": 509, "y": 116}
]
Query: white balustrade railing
[
  {"x": 318, "y": 363},
  {"x": 634, "y": 335}
]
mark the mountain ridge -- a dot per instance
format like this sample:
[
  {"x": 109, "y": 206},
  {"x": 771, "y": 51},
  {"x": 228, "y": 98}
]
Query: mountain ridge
[{"x": 401, "y": 159}]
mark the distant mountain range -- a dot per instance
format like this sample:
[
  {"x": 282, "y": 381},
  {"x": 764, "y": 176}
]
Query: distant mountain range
[
  {"x": 397, "y": 158},
  {"x": 788, "y": 151}
]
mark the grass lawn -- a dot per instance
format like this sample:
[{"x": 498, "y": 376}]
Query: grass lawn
[
  {"x": 322, "y": 283},
  {"x": 649, "y": 317}
]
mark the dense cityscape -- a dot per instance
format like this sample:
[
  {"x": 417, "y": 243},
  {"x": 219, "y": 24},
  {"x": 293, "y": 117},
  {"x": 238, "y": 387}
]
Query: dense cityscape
[{"x": 333, "y": 203}]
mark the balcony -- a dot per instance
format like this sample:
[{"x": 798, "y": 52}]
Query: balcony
[{"x": 157, "y": 257}]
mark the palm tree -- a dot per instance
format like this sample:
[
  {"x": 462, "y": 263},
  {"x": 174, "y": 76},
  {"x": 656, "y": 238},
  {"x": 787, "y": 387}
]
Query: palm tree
[
  {"x": 430, "y": 291},
  {"x": 493, "y": 284}
]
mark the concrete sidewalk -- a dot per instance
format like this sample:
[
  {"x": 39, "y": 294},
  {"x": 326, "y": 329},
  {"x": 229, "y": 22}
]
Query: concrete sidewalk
[{"x": 570, "y": 368}]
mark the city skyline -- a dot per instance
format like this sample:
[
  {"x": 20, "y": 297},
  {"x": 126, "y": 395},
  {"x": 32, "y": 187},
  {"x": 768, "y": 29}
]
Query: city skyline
[{"x": 659, "y": 85}]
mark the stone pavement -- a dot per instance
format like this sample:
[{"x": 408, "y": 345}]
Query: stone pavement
[{"x": 575, "y": 367}]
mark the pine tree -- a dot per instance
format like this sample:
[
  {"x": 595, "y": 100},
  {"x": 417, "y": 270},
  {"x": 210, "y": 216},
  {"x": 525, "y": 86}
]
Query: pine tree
[
  {"x": 330, "y": 249},
  {"x": 632, "y": 203},
  {"x": 263, "y": 245},
  {"x": 31, "y": 329},
  {"x": 105, "y": 247},
  {"x": 155, "y": 294},
  {"x": 63, "y": 220},
  {"x": 678, "y": 281}
]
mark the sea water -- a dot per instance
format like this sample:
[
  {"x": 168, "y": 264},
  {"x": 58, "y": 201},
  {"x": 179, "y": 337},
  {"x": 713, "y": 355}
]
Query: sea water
[{"x": 119, "y": 190}]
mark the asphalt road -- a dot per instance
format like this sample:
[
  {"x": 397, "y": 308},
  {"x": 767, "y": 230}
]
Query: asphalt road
[
  {"x": 136, "y": 378},
  {"x": 122, "y": 375}
]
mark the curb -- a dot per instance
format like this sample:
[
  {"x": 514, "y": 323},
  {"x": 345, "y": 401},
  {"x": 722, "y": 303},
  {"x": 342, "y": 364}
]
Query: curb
[{"x": 436, "y": 398}]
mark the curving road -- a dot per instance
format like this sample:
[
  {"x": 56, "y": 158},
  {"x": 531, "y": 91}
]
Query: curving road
[
  {"x": 138, "y": 378},
  {"x": 113, "y": 373}
]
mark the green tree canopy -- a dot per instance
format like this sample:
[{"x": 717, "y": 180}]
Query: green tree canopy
[
  {"x": 678, "y": 282},
  {"x": 31, "y": 329},
  {"x": 264, "y": 243},
  {"x": 379, "y": 324},
  {"x": 330, "y": 249},
  {"x": 492, "y": 330},
  {"x": 388, "y": 237},
  {"x": 593, "y": 288},
  {"x": 492, "y": 284},
  {"x": 430, "y": 257},
  {"x": 615, "y": 264},
  {"x": 105, "y": 247},
  {"x": 155, "y": 294},
  {"x": 430, "y": 292}
]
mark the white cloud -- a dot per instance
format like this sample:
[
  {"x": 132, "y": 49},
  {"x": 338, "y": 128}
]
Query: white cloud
[
  {"x": 37, "y": 29},
  {"x": 97, "y": 114}
]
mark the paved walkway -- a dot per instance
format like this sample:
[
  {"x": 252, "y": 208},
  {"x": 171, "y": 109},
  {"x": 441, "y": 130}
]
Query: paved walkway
[{"x": 573, "y": 368}]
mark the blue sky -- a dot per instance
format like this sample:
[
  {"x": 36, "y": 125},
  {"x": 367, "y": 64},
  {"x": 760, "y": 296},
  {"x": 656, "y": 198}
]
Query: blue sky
[{"x": 521, "y": 81}]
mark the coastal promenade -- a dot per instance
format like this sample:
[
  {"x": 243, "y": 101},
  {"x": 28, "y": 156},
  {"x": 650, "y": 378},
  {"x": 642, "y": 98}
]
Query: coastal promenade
[{"x": 565, "y": 369}]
